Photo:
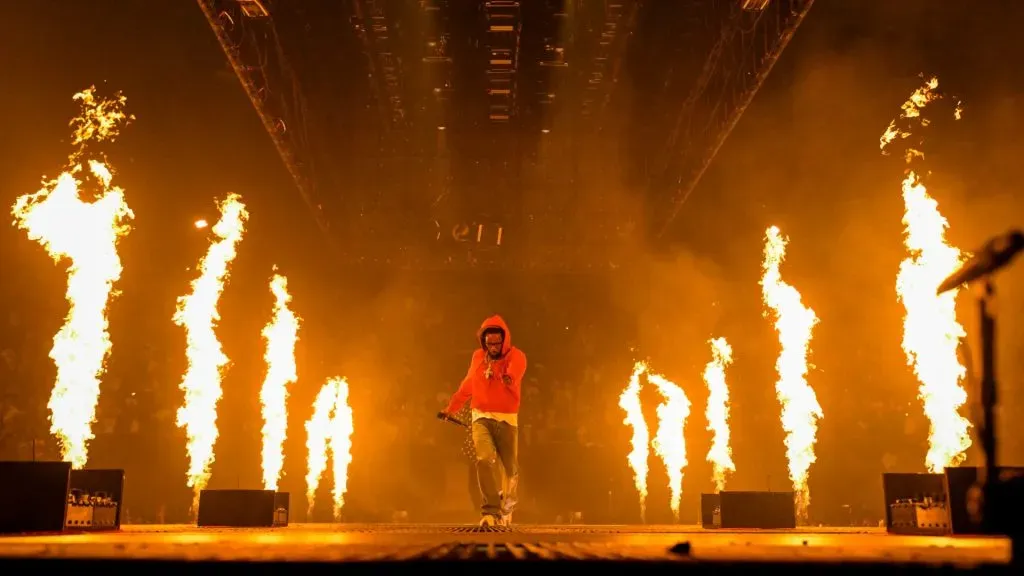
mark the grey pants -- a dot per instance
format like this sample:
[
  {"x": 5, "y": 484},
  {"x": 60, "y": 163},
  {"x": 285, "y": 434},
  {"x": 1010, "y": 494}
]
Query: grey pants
[{"x": 497, "y": 443}]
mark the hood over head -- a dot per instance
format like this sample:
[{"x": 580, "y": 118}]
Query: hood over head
[{"x": 495, "y": 322}]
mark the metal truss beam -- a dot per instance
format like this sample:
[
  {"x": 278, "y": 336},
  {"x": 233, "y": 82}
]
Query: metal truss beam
[
  {"x": 737, "y": 65},
  {"x": 604, "y": 68},
  {"x": 437, "y": 57},
  {"x": 370, "y": 22},
  {"x": 504, "y": 25},
  {"x": 555, "y": 36},
  {"x": 246, "y": 33}
]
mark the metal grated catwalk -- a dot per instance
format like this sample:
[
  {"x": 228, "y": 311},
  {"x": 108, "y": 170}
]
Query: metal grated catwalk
[
  {"x": 422, "y": 529},
  {"x": 531, "y": 551},
  {"x": 561, "y": 530}
]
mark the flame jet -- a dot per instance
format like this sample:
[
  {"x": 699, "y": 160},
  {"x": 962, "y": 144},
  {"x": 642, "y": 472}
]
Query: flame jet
[
  {"x": 717, "y": 412},
  {"x": 629, "y": 401},
  {"x": 86, "y": 233},
  {"x": 669, "y": 440},
  {"x": 800, "y": 410},
  {"x": 281, "y": 334},
  {"x": 330, "y": 430},
  {"x": 931, "y": 332},
  {"x": 197, "y": 314}
]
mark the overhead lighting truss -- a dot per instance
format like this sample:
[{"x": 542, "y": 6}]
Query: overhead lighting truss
[
  {"x": 754, "y": 36},
  {"x": 604, "y": 68},
  {"x": 370, "y": 23},
  {"x": 504, "y": 25},
  {"x": 437, "y": 56},
  {"x": 247, "y": 35},
  {"x": 552, "y": 61}
]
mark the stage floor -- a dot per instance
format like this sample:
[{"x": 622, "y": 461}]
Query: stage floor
[{"x": 363, "y": 542}]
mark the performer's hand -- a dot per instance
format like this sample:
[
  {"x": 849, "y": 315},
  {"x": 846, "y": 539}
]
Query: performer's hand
[
  {"x": 506, "y": 379},
  {"x": 442, "y": 415}
]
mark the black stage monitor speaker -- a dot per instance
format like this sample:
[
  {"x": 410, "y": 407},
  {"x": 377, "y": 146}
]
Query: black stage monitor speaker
[
  {"x": 35, "y": 496},
  {"x": 765, "y": 510},
  {"x": 243, "y": 508}
]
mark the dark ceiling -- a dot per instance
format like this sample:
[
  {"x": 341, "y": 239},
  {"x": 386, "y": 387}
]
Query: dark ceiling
[{"x": 435, "y": 130}]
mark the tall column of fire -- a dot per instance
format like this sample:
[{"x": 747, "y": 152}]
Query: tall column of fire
[
  {"x": 669, "y": 440},
  {"x": 800, "y": 410},
  {"x": 717, "y": 412},
  {"x": 629, "y": 401},
  {"x": 197, "y": 314},
  {"x": 281, "y": 334},
  {"x": 931, "y": 333},
  {"x": 86, "y": 233},
  {"x": 330, "y": 430},
  {"x": 341, "y": 447}
]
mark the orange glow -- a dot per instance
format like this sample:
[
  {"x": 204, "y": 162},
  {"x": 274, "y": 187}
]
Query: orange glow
[
  {"x": 794, "y": 323},
  {"x": 931, "y": 332},
  {"x": 629, "y": 401},
  {"x": 281, "y": 334},
  {"x": 669, "y": 442},
  {"x": 330, "y": 429},
  {"x": 85, "y": 232},
  {"x": 717, "y": 412},
  {"x": 197, "y": 314}
]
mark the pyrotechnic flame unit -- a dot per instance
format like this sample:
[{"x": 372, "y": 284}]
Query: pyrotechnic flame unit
[
  {"x": 936, "y": 504},
  {"x": 243, "y": 508},
  {"x": 737, "y": 509},
  {"x": 51, "y": 497},
  {"x": 967, "y": 500},
  {"x": 916, "y": 504},
  {"x": 950, "y": 499}
]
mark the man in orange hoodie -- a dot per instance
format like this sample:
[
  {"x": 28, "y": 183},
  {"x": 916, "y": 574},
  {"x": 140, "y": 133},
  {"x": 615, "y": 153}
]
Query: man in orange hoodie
[{"x": 493, "y": 382}]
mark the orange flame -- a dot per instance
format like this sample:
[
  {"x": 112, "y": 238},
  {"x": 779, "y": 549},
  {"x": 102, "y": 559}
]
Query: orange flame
[
  {"x": 669, "y": 440},
  {"x": 197, "y": 314},
  {"x": 931, "y": 333},
  {"x": 629, "y": 401},
  {"x": 717, "y": 411},
  {"x": 330, "y": 428},
  {"x": 341, "y": 446},
  {"x": 281, "y": 334},
  {"x": 800, "y": 410},
  {"x": 86, "y": 233}
]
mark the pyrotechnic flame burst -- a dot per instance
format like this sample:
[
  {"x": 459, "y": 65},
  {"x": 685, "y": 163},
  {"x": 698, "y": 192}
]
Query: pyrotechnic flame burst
[
  {"x": 197, "y": 314},
  {"x": 330, "y": 428},
  {"x": 281, "y": 334},
  {"x": 669, "y": 442},
  {"x": 717, "y": 412},
  {"x": 800, "y": 410},
  {"x": 931, "y": 333},
  {"x": 629, "y": 401},
  {"x": 86, "y": 233}
]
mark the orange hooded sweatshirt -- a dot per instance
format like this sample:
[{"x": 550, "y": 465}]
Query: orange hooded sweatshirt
[{"x": 492, "y": 394}]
